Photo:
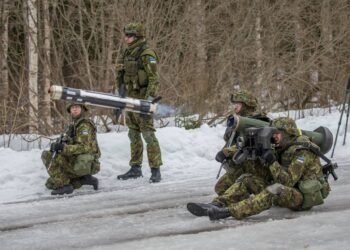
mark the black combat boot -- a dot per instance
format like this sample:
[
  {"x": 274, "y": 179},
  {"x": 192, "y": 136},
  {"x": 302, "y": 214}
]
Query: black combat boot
[
  {"x": 217, "y": 213},
  {"x": 201, "y": 209},
  {"x": 155, "y": 175},
  {"x": 66, "y": 189},
  {"x": 133, "y": 173},
  {"x": 89, "y": 180}
]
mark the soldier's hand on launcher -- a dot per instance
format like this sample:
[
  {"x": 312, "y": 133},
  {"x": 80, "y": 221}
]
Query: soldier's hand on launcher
[
  {"x": 56, "y": 147},
  {"x": 268, "y": 157},
  {"x": 220, "y": 156}
]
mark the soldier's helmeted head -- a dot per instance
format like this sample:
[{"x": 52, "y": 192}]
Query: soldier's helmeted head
[
  {"x": 72, "y": 106},
  {"x": 134, "y": 29},
  {"x": 286, "y": 124},
  {"x": 287, "y": 129},
  {"x": 248, "y": 100}
]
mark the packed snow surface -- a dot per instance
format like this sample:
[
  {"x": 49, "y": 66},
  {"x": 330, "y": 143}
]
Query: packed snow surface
[{"x": 134, "y": 214}]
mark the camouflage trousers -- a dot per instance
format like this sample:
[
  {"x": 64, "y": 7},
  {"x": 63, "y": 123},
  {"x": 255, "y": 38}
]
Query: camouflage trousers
[
  {"x": 143, "y": 124},
  {"x": 66, "y": 170},
  {"x": 289, "y": 197},
  {"x": 234, "y": 171},
  {"x": 242, "y": 188}
]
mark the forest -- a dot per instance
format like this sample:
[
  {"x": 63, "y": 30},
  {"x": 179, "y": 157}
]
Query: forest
[{"x": 292, "y": 54}]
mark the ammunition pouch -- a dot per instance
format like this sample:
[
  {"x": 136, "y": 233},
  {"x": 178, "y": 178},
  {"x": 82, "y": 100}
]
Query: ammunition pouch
[
  {"x": 312, "y": 193},
  {"x": 83, "y": 164},
  {"x": 142, "y": 77},
  {"x": 131, "y": 68}
]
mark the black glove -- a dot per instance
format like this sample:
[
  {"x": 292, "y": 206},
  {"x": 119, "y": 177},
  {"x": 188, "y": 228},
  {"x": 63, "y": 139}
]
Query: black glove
[
  {"x": 268, "y": 157},
  {"x": 220, "y": 156},
  {"x": 56, "y": 147}
]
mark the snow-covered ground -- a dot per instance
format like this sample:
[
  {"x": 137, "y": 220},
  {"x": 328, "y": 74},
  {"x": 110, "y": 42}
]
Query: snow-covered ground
[{"x": 134, "y": 214}]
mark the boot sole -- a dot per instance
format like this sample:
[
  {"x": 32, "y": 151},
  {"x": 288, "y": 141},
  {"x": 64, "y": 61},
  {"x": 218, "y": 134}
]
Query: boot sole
[
  {"x": 127, "y": 178},
  {"x": 154, "y": 181},
  {"x": 53, "y": 193},
  {"x": 196, "y": 209}
]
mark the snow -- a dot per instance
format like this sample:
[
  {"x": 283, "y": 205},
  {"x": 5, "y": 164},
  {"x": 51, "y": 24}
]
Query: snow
[{"x": 134, "y": 214}]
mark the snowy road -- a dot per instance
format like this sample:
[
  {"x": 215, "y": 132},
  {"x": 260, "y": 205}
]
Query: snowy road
[
  {"x": 134, "y": 217},
  {"x": 134, "y": 214}
]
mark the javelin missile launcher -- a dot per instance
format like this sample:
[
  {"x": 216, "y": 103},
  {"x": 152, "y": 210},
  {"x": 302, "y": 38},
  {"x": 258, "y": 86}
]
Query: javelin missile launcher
[
  {"x": 321, "y": 136},
  {"x": 105, "y": 100}
]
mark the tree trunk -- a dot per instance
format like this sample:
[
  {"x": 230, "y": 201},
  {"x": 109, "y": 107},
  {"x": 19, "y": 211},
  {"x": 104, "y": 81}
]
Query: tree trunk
[
  {"x": 32, "y": 41},
  {"x": 259, "y": 51},
  {"x": 4, "y": 81},
  {"x": 198, "y": 30},
  {"x": 46, "y": 108}
]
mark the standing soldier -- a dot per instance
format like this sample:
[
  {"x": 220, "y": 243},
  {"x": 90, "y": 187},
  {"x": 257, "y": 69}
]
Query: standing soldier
[
  {"x": 73, "y": 159},
  {"x": 138, "y": 78},
  {"x": 244, "y": 104},
  {"x": 299, "y": 182}
]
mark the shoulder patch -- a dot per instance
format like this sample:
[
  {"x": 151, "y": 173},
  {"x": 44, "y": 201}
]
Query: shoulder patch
[
  {"x": 152, "y": 60},
  {"x": 300, "y": 159},
  {"x": 85, "y": 132}
]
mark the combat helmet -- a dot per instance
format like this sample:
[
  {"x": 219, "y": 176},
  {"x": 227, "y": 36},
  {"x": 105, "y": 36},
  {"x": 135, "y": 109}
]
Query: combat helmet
[
  {"x": 286, "y": 124},
  {"x": 245, "y": 97},
  {"x": 135, "y": 29},
  {"x": 83, "y": 106}
]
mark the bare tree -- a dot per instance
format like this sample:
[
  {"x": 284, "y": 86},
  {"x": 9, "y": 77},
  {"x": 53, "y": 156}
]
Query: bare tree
[
  {"x": 46, "y": 106},
  {"x": 32, "y": 42},
  {"x": 4, "y": 81}
]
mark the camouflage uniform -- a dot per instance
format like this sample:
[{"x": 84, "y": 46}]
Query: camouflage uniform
[
  {"x": 79, "y": 156},
  {"x": 139, "y": 75},
  {"x": 297, "y": 174},
  {"x": 252, "y": 168}
]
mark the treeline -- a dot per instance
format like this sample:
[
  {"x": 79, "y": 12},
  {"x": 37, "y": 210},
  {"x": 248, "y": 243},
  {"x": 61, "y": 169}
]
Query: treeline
[{"x": 292, "y": 54}]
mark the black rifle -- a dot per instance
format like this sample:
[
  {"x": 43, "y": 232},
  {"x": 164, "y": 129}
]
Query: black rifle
[
  {"x": 122, "y": 93},
  {"x": 61, "y": 139},
  {"x": 230, "y": 124}
]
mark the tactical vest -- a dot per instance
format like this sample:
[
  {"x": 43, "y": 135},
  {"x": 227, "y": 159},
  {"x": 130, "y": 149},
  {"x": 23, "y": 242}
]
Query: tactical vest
[
  {"x": 135, "y": 76},
  {"x": 72, "y": 133}
]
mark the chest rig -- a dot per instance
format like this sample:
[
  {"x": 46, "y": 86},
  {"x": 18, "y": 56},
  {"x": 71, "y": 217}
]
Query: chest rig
[{"x": 135, "y": 77}]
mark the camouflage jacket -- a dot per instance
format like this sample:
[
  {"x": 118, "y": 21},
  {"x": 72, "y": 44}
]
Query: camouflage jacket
[
  {"x": 295, "y": 164},
  {"x": 139, "y": 71},
  {"x": 81, "y": 139}
]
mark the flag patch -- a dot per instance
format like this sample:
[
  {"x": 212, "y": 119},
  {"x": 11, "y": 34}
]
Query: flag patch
[
  {"x": 84, "y": 132},
  {"x": 152, "y": 60},
  {"x": 300, "y": 159}
]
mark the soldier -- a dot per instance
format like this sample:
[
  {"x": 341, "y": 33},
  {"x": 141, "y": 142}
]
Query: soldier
[
  {"x": 299, "y": 182},
  {"x": 139, "y": 78},
  {"x": 244, "y": 104},
  {"x": 76, "y": 157}
]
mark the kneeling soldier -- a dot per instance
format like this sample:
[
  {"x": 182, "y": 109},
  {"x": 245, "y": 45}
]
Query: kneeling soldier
[{"x": 73, "y": 159}]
